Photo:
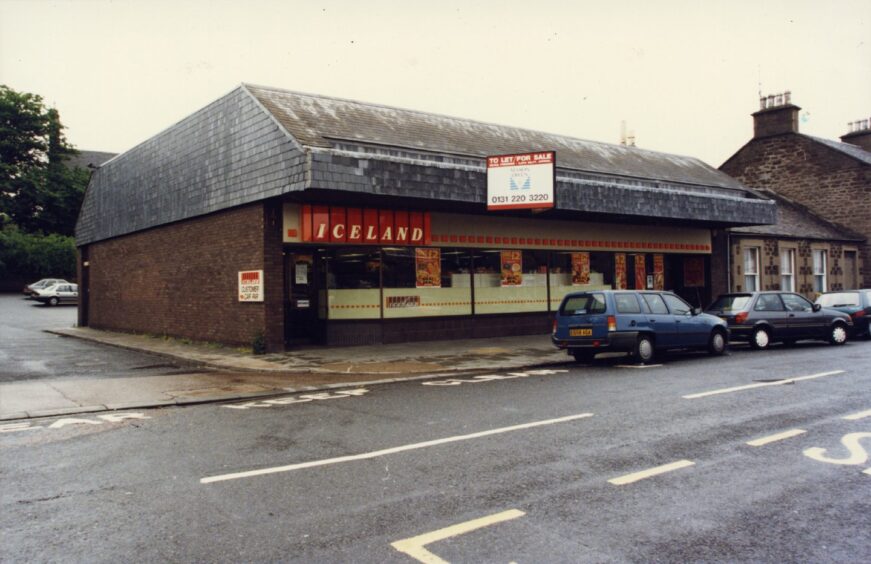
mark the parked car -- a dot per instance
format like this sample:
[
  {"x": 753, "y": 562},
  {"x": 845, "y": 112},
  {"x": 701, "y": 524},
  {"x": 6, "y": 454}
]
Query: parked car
[
  {"x": 65, "y": 293},
  {"x": 31, "y": 289},
  {"x": 762, "y": 318},
  {"x": 856, "y": 304},
  {"x": 638, "y": 322}
]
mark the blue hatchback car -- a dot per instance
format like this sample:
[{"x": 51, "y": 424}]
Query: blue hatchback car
[{"x": 637, "y": 322}]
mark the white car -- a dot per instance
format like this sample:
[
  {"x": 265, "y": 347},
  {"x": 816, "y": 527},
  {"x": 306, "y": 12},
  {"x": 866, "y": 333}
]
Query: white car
[
  {"x": 30, "y": 289},
  {"x": 65, "y": 293}
]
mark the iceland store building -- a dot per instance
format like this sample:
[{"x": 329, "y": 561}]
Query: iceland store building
[{"x": 301, "y": 218}]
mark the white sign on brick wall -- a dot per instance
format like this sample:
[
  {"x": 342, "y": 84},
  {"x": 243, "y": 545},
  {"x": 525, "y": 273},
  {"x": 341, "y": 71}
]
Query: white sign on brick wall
[{"x": 251, "y": 286}]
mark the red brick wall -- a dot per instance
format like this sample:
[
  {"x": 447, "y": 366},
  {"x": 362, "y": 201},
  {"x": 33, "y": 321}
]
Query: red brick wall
[
  {"x": 830, "y": 184},
  {"x": 182, "y": 279}
]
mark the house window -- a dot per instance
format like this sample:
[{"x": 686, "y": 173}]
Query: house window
[
  {"x": 820, "y": 271},
  {"x": 787, "y": 270},
  {"x": 751, "y": 269}
]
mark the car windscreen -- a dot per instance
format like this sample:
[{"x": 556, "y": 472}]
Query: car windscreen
[
  {"x": 839, "y": 299},
  {"x": 584, "y": 304},
  {"x": 730, "y": 303}
]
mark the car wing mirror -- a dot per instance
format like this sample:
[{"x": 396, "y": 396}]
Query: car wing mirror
[
  {"x": 696, "y": 310},
  {"x": 817, "y": 307}
]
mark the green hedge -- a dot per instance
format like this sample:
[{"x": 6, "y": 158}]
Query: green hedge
[{"x": 29, "y": 257}]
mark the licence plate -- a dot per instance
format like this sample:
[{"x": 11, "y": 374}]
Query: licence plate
[{"x": 580, "y": 332}]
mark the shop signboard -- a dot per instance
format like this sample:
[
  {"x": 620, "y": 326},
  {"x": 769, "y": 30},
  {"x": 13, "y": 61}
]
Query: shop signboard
[
  {"x": 428, "y": 268},
  {"x": 580, "y": 269},
  {"x": 338, "y": 224},
  {"x": 512, "y": 268},
  {"x": 693, "y": 272},
  {"x": 620, "y": 271},
  {"x": 521, "y": 181},
  {"x": 251, "y": 286},
  {"x": 659, "y": 272}
]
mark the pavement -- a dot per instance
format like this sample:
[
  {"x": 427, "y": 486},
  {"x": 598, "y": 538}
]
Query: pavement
[{"x": 217, "y": 374}]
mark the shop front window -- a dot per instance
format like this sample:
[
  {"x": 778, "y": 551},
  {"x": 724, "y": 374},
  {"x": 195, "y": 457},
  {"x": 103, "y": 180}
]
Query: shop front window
[
  {"x": 573, "y": 271},
  {"x": 426, "y": 282},
  {"x": 510, "y": 281},
  {"x": 353, "y": 280}
]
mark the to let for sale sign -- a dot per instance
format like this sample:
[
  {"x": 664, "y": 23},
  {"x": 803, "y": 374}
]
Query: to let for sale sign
[
  {"x": 251, "y": 286},
  {"x": 520, "y": 181}
]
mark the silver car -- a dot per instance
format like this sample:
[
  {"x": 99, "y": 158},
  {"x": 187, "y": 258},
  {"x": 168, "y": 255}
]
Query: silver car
[
  {"x": 30, "y": 289},
  {"x": 65, "y": 293}
]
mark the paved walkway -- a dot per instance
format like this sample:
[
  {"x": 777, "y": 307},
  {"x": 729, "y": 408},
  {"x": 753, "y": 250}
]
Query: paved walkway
[{"x": 223, "y": 374}]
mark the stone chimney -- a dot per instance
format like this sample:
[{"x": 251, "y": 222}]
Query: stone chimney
[
  {"x": 776, "y": 116},
  {"x": 859, "y": 134}
]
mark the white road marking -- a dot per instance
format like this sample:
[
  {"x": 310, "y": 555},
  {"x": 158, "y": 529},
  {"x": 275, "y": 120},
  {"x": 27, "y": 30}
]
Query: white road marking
[
  {"x": 12, "y": 427},
  {"x": 857, "y": 416},
  {"x": 762, "y": 385},
  {"x": 386, "y": 451},
  {"x": 777, "y": 437},
  {"x": 650, "y": 472},
  {"x": 867, "y": 471},
  {"x": 858, "y": 455},
  {"x": 305, "y": 398},
  {"x": 492, "y": 377},
  {"x": 414, "y": 546}
]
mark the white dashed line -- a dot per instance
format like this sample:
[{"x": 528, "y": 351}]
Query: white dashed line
[
  {"x": 761, "y": 385},
  {"x": 650, "y": 472},
  {"x": 777, "y": 437},
  {"x": 394, "y": 450},
  {"x": 857, "y": 416}
]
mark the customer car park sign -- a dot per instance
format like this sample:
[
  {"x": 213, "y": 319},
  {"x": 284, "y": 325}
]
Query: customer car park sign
[
  {"x": 251, "y": 286},
  {"x": 521, "y": 181}
]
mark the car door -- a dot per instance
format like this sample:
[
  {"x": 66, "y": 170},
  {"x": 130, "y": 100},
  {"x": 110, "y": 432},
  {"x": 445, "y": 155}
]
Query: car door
[
  {"x": 770, "y": 308},
  {"x": 660, "y": 320},
  {"x": 64, "y": 293},
  {"x": 691, "y": 331},
  {"x": 804, "y": 322}
]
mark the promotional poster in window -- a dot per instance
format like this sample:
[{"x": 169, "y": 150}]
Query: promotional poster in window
[
  {"x": 428, "y": 265},
  {"x": 512, "y": 268}
]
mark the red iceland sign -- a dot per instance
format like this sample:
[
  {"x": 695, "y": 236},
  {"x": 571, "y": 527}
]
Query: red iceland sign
[{"x": 337, "y": 224}]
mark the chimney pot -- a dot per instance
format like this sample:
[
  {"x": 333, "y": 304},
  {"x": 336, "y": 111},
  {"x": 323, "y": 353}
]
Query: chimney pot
[{"x": 859, "y": 134}]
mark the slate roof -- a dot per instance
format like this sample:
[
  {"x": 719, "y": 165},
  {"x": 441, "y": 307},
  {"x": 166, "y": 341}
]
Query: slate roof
[
  {"x": 317, "y": 121},
  {"x": 796, "y": 221},
  {"x": 848, "y": 149},
  {"x": 256, "y": 143},
  {"x": 89, "y": 159}
]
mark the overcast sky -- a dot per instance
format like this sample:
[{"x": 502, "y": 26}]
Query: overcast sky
[{"x": 684, "y": 75}]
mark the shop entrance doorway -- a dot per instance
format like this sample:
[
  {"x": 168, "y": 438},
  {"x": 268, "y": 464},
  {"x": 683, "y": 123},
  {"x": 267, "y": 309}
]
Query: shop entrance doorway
[{"x": 301, "y": 323}]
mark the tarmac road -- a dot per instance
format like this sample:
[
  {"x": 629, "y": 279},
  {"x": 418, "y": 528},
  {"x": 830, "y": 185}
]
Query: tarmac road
[
  {"x": 515, "y": 467},
  {"x": 28, "y": 353}
]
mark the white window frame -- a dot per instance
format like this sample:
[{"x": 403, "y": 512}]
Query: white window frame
[
  {"x": 820, "y": 278},
  {"x": 753, "y": 276},
  {"x": 787, "y": 270}
]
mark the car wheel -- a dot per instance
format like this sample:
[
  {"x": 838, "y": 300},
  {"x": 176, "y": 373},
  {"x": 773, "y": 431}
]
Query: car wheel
[
  {"x": 717, "y": 345},
  {"x": 644, "y": 350},
  {"x": 838, "y": 336},
  {"x": 760, "y": 339},
  {"x": 53, "y": 301},
  {"x": 583, "y": 356}
]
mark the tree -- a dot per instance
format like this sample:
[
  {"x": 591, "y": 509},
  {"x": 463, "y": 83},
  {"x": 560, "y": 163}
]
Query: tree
[{"x": 38, "y": 191}]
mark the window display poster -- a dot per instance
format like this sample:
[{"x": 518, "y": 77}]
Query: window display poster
[
  {"x": 658, "y": 272},
  {"x": 580, "y": 269},
  {"x": 620, "y": 271},
  {"x": 640, "y": 273},
  {"x": 693, "y": 272},
  {"x": 512, "y": 268},
  {"x": 428, "y": 266}
]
